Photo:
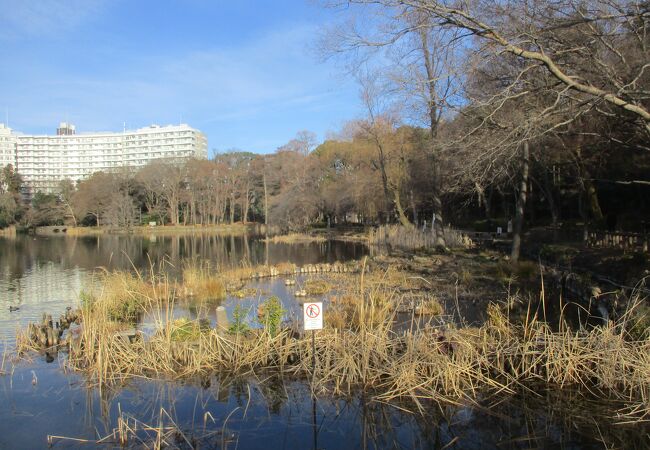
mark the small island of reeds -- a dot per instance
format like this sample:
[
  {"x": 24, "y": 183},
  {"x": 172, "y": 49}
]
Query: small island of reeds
[{"x": 366, "y": 344}]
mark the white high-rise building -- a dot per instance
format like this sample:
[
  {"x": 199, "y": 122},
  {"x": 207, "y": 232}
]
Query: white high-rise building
[
  {"x": 7, "y": 147},
  {"x": 44, "y": 160}
]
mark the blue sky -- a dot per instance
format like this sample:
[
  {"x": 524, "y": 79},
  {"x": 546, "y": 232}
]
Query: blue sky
[{"x": 244, "y": 72}]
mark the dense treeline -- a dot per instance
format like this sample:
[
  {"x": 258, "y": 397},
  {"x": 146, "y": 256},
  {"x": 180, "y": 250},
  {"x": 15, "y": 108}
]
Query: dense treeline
[{"x": 533, "y": 111}]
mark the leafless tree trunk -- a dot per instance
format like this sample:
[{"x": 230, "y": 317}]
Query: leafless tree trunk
[
  {"x": 266, "y": 198},
  {"x": 521, "y": 204}
]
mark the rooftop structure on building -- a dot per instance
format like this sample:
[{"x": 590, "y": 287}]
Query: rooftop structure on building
[
  {"x": 65, "y": 129},
  {"x": 44, "y": 160}
]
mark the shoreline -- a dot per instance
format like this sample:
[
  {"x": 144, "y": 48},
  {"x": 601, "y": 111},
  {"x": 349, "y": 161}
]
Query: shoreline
[{"x": 236, "y": 228}]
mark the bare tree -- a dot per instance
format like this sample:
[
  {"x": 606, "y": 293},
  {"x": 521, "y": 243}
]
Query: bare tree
[
  {"x": 596, "y": 50},
  {"x": 66, "y": 194},
  {"x": 417, "y": 61}
]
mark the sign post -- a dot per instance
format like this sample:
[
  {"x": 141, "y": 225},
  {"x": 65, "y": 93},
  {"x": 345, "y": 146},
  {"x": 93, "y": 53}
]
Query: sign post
[{"x": 313, "y": 320}]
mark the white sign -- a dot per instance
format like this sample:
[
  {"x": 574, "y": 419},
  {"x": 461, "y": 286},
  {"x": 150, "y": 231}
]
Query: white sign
[{"x": 312, "y": 316}]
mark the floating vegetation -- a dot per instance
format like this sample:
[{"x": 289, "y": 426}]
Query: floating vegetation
[
  {"x": 317, "y": 287},
  {"x": 245, "y": 293},
  {"x": 131, "y": 432}
]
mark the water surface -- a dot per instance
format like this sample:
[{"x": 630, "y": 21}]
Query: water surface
[
  {"x": 268, "y": 411},
  {"x": 45, "y": 274}
]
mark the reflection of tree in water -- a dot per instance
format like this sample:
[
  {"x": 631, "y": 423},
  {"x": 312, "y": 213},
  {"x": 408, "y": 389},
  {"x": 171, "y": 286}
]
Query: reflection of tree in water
[
  {"x": 21, "y": 254},
  {"x": 570, "y": 416},
  {"x": 550, "y": 419},
  {"x": 541, "y": 419}
]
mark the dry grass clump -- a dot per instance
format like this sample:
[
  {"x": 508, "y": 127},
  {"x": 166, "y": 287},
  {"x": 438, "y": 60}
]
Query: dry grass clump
[
  {"x": 285, "y": 267},
  {"x": 354, "y": 311},
  {"x": 523, "y": 271},
  {"x": 123, "y": 296},
  {"x": 413, "y": 238},
  {"x": 202, "y": 283},
  {"x": 244, "y": 293},
  {"x": 184, "y": 329},
  {"x": 637, "y": 320},
  {"x": 295, "y": 238},
  {"x": 317, "y": 287},
  {"x": 430, "y": 306}
]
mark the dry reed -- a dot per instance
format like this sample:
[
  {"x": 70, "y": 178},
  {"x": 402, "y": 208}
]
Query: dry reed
[
  {"x": 413, "y": 238},
  {"x": 360, "y": 349},
  {"x": 201, "y": 282}
]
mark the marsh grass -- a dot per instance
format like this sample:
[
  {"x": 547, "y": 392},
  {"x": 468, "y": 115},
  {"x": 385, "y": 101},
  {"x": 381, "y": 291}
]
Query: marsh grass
[
  {"x": 359, "y": 348},
  {"x": 201, "y": 282},
  {"x": 523, "y": 272},
  {"x": 244, "y": 293},
  {"x": 413, "y": 238},
  {"x": 317, "y": 287},
  {"x": 184, "y": 329},
  {"x": 430, "y": 305}
]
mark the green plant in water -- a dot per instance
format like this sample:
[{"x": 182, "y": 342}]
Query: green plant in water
[
  {"x": 270, "y": 315},
  {"x": 184, "y": 329},
  {"x": 239, "y": 324}
]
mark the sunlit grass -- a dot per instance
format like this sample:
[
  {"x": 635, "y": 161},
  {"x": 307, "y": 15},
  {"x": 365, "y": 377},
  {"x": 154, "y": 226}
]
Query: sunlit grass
[{"x": 359, "y": 347}]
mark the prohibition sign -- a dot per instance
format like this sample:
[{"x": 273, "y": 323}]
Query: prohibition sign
[
  {"x": 312, "y": 311},
  {"x": 312, "y": 316}
]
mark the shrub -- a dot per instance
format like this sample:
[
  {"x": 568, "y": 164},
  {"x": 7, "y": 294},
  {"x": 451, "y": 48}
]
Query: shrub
[
  {"x": 239, "y": 324},
  {"x": 270, "y": 314}
]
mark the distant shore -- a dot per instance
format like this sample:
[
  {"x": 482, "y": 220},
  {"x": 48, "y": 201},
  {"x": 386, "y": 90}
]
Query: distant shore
[{"x": 235, "y": 228}]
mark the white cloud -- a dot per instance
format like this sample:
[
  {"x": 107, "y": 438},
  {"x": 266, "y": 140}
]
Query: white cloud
[
  {"x": 21, "y": 18},
  {"x": 270, "y": 84}
]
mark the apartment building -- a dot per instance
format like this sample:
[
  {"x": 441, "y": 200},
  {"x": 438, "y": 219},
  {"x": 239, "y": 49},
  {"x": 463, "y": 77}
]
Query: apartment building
[
  {"x": 7, "y": 147},
  {"x": 44, "y": 160}
]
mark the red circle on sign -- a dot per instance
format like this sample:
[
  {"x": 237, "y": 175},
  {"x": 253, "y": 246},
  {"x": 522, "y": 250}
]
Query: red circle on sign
[{"x": 312, "y": 311}]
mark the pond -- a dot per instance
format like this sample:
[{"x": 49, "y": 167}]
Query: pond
[
  {"x": 46, "y": 274},
  {"x": 42, "y": 399}
]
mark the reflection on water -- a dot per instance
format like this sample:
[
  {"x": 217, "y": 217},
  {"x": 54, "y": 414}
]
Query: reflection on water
[
  {"x": 267, "y": 411},
  {"x": 272, "y": 412},
  {"x": 45, "y": 274}
]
